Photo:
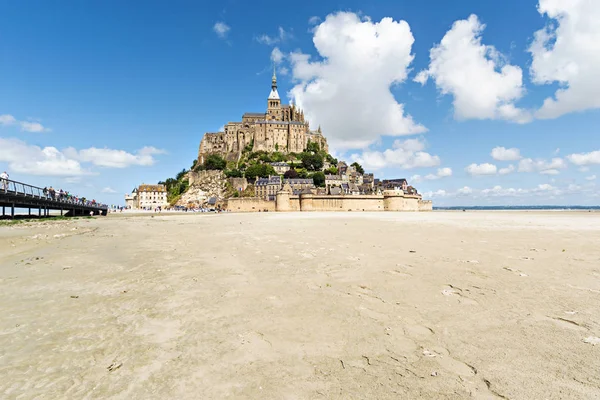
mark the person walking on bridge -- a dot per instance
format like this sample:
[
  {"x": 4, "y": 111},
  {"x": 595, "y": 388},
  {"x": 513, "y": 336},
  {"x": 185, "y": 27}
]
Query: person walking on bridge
[{"x": 4, "y": 181}]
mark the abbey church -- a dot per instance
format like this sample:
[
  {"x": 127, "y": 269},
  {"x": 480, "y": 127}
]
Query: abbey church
[{"x": 281, "y": 128}]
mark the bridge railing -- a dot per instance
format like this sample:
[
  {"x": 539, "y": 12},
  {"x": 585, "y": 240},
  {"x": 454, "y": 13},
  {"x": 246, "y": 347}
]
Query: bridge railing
[{"x": 21, "y": 189}]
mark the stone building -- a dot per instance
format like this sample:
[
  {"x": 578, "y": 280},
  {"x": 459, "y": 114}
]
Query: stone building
[
  {"x": 281, "y": 128},
  {"x": 300, "y": 185},
  {"x": 147, "y": 197},
  {"x": 280, "y": 167},
  {"x": 267, "y": 188}
]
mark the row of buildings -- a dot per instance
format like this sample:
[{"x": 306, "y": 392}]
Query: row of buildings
[{"x": 267, "y": 188}]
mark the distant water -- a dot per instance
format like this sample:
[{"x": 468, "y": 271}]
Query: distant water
[{"x": 547, "y": 208}]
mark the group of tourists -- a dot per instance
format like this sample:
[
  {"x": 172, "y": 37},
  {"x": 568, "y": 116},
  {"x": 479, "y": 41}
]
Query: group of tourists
[
  {"x": 63, "y": 195},
  {"x": 51, "y": 193}
]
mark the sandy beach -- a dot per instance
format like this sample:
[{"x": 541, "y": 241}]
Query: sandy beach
[{"x": 441, "y": 305}]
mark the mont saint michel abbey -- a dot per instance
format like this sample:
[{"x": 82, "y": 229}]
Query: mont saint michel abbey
[{"x": 281, "y": 128}]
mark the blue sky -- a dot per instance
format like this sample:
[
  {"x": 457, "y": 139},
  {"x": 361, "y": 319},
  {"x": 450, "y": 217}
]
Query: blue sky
[{"x": 98, "y": 97}]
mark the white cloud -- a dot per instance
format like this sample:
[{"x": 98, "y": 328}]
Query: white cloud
[
  {"x": 27, "y": 126},
  {"x": 416, "y": 178},
  {"x": 348, "y": 92},
  {"x": 108, "y": 190},
  {"x": 591, "y": 178},
  {"x": 551, "y": 167},
  {"x": 567, "y": 51},
  {"x": 437, "y": 193},
  {"x": 504, "y": 154},
  {"x": 314, "y": 20},
  {"x": 550, "y": 172},
  {"x": 406, "y": 154},
  {"x": 507, "y": 170},
  {"x": 221, "y": 29},
  {"x": 465, "y": 191},
  {"x": 281, "y": 36},
  {"x": 49, "y": 161},
  {"x": 7, "y": 120},
  {"x": 483, "y": 84},
  {"x": 112, "y": 158},
  {"x": 23, "y": 158},
  {"x": 276, "y": 55},
  {"x": 545, "y": 187},
  {"x": 584, "y": 159},
  {"x": 481, "y": 169},
  {"x": 441, "y": 173}
]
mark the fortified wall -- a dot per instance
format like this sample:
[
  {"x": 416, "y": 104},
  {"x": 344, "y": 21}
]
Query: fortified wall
[{"x": 391, "y": 200}]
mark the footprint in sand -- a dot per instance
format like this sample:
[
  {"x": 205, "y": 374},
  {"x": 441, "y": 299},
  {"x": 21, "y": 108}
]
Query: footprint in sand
[
  {"x": 453, "y": 291},
  {"x": 516, "y": 271}
]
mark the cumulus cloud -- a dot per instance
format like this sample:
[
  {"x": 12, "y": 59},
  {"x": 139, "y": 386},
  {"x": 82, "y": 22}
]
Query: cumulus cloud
[
  {"x": 27, "y": 126},
  {"x": 348, "y": 91},
  {"x": 483, "y": 84},
  {"x": 221, "y": 29},
  {"x": 591, "y": 178},
  {"x": 281, "y": 36},
  {"x": 504, "y": 154},
  {"x": 585, "y": 159},
  {"x": 112, "y": 158},
  {"x": 481, "y": 169},
  {"x": 34, "y": 160},
  {"x": 406, "y": 154},
  {"x": 441, "y": 173},
  {"x": 276, "y": 55},
  {"x": 109, "y": 190},
  {"x": 567, "y": 51},
  {"x": 29, "y": 159},
  {"x": 7, "y": 120},
  {"x": 464, "y": 191},
  {"x": 551, "y": 167},
  {"x": 507, "y": 170}
]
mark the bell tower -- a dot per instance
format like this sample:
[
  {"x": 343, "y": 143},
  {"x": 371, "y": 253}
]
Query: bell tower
[{"x": 274, "y": 102}]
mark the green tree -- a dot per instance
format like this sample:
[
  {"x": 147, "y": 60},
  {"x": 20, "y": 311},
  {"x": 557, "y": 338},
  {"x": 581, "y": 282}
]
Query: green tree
[
  {"x": 276, "y": 146},
  {"x": 331, "y": 160},
  {"x": 331, "y": 171},
  {"x": 194, "y": 163},
  {"x": 312, "y": 147},
  {"x": 290, "y": 174},
  {"x": 215, "y": 162},
  {"x": 259, "y": 170},
  {"x": 358, "y": 168},
  {"x": 319, "y": 179},
  {"x": 233, "y": 173},
  {"x": 181, "y": 174},
  {"x": 312, "y": 162},
  {"x": 302, "y": 173}
]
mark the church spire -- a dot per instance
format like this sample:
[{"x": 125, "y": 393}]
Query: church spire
[{"x": 274, "y": 94}]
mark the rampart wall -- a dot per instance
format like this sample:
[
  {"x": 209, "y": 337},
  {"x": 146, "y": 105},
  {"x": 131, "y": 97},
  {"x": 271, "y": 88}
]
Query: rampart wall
[{"x": 389, "y": 201}]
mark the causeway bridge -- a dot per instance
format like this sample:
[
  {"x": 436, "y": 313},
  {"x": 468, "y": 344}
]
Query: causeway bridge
[{"x": 15, "y": 195}]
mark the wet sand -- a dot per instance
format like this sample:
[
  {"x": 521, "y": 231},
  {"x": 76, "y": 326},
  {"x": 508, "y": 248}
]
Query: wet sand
[{"x": 302, "y": 306}]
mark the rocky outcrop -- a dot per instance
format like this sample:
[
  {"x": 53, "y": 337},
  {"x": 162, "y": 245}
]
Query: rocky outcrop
[{"x": 203, "y": 186}]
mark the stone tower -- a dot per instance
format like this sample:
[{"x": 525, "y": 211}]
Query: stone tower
[{"x": 274, "y": 102}]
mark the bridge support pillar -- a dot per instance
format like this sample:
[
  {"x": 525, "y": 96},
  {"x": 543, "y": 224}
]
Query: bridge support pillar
[
  {"x": 40, "y": 212},
  {"x": 61, "y": 212},
  {"x": 12, "y": 210},
  {"x": 3, "y": 211}
]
